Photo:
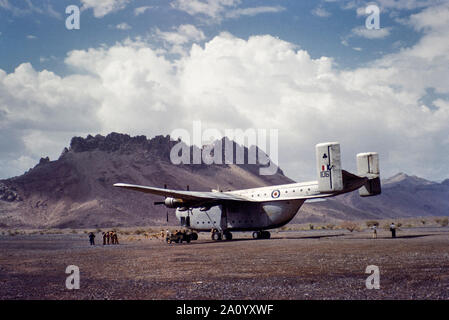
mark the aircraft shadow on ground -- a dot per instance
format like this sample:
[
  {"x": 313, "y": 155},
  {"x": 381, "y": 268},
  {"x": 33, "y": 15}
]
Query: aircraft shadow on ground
[
  {"x": 311, "y": 237},
  {"x": 204, "y": 242}
]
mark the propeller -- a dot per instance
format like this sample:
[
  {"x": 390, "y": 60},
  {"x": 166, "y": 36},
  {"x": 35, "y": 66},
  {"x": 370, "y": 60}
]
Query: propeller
[{"x": 158, "y": 203}]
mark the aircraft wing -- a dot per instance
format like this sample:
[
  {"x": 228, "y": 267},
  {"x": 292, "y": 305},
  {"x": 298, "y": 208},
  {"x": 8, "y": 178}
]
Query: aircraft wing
[{"x": 185, "y": 195}]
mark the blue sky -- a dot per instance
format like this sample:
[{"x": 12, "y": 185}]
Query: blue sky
[
  {"x": 36, "y": 33},
  {"x": 310, "y": 69}
]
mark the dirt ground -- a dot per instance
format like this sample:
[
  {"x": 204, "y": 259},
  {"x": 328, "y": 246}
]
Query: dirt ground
[{"x": 292, "y": 265}]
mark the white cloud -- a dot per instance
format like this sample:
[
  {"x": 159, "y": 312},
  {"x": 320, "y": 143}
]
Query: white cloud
[
  {"x": 364, "y": 32},
  {"x": 408, "y": 4},
  {"x": 211, "y": 8},
  {"x": 360, "y": 5},
  {"x": 141, "y": 10},
  {"x": 29, "y": 8},
  {"x": 361, "y": 11},
  {"x": 321, "y": 12},
  {"x": 40, "y": 106},
  {"x": 217, "y": 10},
  {"x": 431, "y": 19},
  {"x": 136, "y": 88},
  {"x": 104, "y": 7},
  {"x": 46, "y": 59},
  {"x": 123, "y": 26},
  {"x": 31, "y": 37},
  {"x": 52, "y": 12},
  {"x": 176, "y": 42},
  {"x": 183, "y": 34},
  {"x": 228, "y": 82},
  {"x": 236, "y": 13}
]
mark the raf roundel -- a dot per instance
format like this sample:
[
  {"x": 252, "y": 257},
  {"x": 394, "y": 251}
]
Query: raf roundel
[{"x": 275, "y": 194}]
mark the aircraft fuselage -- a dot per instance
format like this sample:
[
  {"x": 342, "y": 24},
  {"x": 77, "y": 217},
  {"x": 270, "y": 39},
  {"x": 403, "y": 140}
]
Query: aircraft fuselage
[{"x": 270, "y": 207}]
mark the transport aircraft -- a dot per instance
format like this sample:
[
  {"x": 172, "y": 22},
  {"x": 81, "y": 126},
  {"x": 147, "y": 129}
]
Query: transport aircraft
[{"x": 261, "y": 209}]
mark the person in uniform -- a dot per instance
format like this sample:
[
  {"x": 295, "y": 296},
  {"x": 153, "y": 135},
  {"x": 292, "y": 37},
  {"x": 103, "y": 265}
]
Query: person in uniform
[
  {"x": 167, "y": 235},
  {"x": 107, "y": 237},
  {"x": 92, "y": 239},
  {"x": 115, "y": 238},
  {"x": 374, "y": 231},
  {"x": 104, "y": 238},
  {"x": 393, "y": 230},
  {"x": 112, "y": 237}
]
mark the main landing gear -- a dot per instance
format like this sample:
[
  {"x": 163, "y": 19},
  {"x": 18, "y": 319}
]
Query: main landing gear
[
  {"x": 261, "y": 235},
  {"x": 217, "y": 235}
]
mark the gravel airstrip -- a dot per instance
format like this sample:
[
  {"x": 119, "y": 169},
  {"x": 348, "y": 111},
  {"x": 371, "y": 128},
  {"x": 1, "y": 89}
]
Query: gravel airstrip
[{"x": 312, "y": 264}]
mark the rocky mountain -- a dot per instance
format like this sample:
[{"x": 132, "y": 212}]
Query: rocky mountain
[{"x": 76, "y": 190}]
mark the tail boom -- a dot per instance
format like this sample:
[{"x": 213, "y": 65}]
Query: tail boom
[{"x": 332, "y": 179}]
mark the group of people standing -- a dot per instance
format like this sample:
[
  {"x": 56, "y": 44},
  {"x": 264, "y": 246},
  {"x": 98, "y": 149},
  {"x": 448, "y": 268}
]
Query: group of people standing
[
  {"x": 392, "y": 230},
  {"x": 110, "y": 237}
]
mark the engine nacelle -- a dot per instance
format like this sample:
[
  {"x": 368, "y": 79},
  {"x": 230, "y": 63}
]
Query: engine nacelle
[
  {"x": 173, "y": 203},
  {"x": 368, "y": 166}
]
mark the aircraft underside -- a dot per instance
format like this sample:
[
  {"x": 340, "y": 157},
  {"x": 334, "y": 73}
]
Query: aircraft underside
[{"x": 240, "y": 217}]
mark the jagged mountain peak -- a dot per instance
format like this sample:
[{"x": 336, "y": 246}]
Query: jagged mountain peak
[
  {"x": 115, "y": 141},
  {"x": 77, "y": 190}
]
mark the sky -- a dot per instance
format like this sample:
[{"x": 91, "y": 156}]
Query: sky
[{"x": 310, "y": 69}]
